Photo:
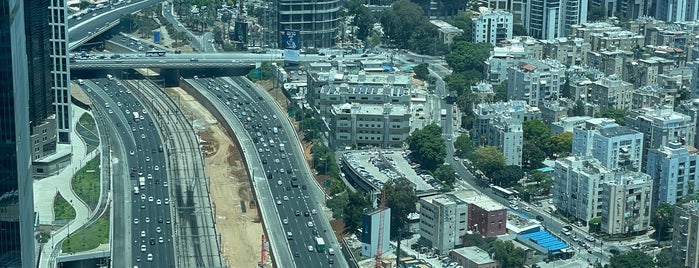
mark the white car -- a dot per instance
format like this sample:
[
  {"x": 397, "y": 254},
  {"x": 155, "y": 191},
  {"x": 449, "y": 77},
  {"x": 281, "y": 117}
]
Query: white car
[
  {"x": 279, "y": 182},
  {"x": 147, "y": 219},
  {"x": 143, "y": 233},
  {"x": 161, "y": 240},
  {"x": 285, "y": 221},
  {"x": 150, "y": 176},
  {"x": 147, "y": 158},
  {"x": 286, "y": 198},
  {"x": 156, "y": 167},
  {"x": 135, "y": 221},
  {"x": 167, "y": 201},
  {"x": 150, "y": 198},
  {"x": 310, "y": 248},
  {"x": 150, "y": 256},
  {"x": 143, "y": 248},
  {"x": 314, "y": 212},
  {"x": 143, "y": 136},
  {"x": 143, "y": 196},
  {"x": 157, "y": 229},
  {"x": 309, "y": 224},
  {"x": 158, "y": 202},
  {"x": 132, "y": 152},
  {"x": 165, "y": 184},
  {"x": 279, "y": 202}
]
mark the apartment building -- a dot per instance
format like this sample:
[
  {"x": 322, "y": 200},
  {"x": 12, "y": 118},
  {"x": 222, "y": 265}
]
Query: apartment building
[
  {"x": 576, "y": 186},
  {"x": 492, "y": 26},
  {"x": 445, "y": 218},
  {"x": 518, "y": 8},
  {"x": 611, "y": 93},
  {"x": 677, "y": 10},
  {"x": 660, "y": 126},
  {"x": 626, "y": 203},
  {"x": 612, "y": 40},
  {"x": 651, "y": 96},
  {"x": 685, "y": 235},
  {"x": 566, "y": 50},
  {"x": 548, "y": 19},
  {"x": 674, "y": 171},
  {"x": 509, "y": 53},
  {"x": 506, "y": 134},
  {"x": 446, "y": 32},
  {"x": 369, "y": 125},
  {"x": 691, "y": 109},
  {"x": 500, "y": 124},
  {"x": 616, "y": 147},
  {"x": 535, "y": 81}
]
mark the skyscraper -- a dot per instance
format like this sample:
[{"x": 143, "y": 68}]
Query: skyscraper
[
  {"x": 549, "y": 19},
  {"x": 16, "y": 198},
  {"x": 318, "y": 21}
]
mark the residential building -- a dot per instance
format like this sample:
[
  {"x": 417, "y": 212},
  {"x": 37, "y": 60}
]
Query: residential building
[
  {"x": 677, "y": 80},
  {"x": 685, "y": 235},
  {"x": 660, "y": 126},
  {"x": 576, "y": 186},
  {"x": 506, "y": 133},
  {"x": 611, "y": 93},
  {"x": 318, "y": 22},
  {"x": 446, "y": 32},
  {"x": 626, "y": 203},
  {"x": 437, "y": 9},
  {"x": 691, "y": 109},
  {"x": 369, "y": 125},
  {"x": 566, "y": 50},
  {"x": 568, "y": 124},
  {"x": 535, "y": 81},
  {"x": 613, "y": 40},
  {"x": 651, "y": 96},
  {"x": 445, "y": 218},
  {"x": 507, "y": 55},
  {"x": 492, "y": 26},
  {"x": 694, "y": 83},
  {"x": 373, "y": 232},
  {"x": 585, "y": 30},
  {"x": 677, "y": 10},
  {"x": 472, "y": 257},
  {"x": 548, "y": 19},
  {"x": 553, "y": 111},
  {"x": 18, "y": 246},
  {"x": 500, "y": 124},
  {"x": 616, "y": 147},
  {"x": 674, "y": 172},
  {"x": 483, "y": 91},
  {"x": 518, "y": 8},
  {"x": 609, "y": 62}
]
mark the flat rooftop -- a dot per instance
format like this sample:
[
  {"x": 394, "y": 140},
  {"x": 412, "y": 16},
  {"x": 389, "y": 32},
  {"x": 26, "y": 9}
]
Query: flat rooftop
[{"x": 378, "y": 167}]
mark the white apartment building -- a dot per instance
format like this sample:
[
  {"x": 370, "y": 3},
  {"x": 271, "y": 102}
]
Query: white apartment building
[
  {"x": 506, "y": 134},
  {"x": 535, "y": 81},
  {"x": 616, "y": 147},
  {"x": 611, "y": 93},
  {"x": 685, "y": 235},
  {"x": 500, "y": 124},
  {"x": 677, "y": 10},
  {"x": 369, "y": 125},
  {"x": 443, "y": 220},
  {"x": 576, "y": 186},
  {"x": 691, "y": 109},
  {"x": 492, "y": 26},
  {"x": 674, "y": 171},
  {"x": 626, "y": 203},
  {"x": 660, "y": 126},
  {"x": 548, "y": 19},
  {"x": 335, "y": 94}
]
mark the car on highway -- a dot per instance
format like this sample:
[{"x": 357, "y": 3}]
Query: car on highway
[
  {"x": 314, "y": 212},
  {"x": 158, "y": 229},
  {"x": 298, "y": 213},
  {"x": 158, "y": 202},
  {"x": 286, "y": 198},
  {"x": 279, "y": 202},
  {"x": 156, "y": 167},
  {"x": 310, "y": 224},
  {"x": 143, "y": 248},
  {"x": 285, "y": 221},
  {"x": 143, "y": 233},
  {"x": 150, "y": 198},
  {"x": 147, "y": 219},
  {"x": 161, "y": 240},
  {"x": 167, "y": 201},
  {"x": 310, "y": 248},
  {"x": 150, "y": 256},
  {"x": 279, "y": 182}
]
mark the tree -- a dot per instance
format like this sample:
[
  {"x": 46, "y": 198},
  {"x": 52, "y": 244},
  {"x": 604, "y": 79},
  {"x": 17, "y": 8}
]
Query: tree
[
  {"x": 337, "y": 204},
  {"x": 662, "y": 220},
  {"x": 559, "y": 145},
  {"x": 634, "y": 258},
  {"x": 500, "y": 92},
  {"x": 578, "y": 109},
  {"x": 364, "y": 19},
  {"x": 618, "y": 115},
  {"x": 488, "y": 159},
  {"x": 463, "y": 21},
  {"x": 445, "y": 174},
  {"x": 400, "y": 22},
  {"x": 463, "y": 146},
  {"x": 357, "y": 203},
  {"x": 507, "y": 254},
  {"x": 532, "y": 155},
  {"x": 507, "y": 176},
  {"x": 535, "y": 131},
  {"x": 427, "y": 147},
  {"x": 665, "y": 259},
  {"x": 217, "y": 32},
  {"x": 468, "y": 56},
  {"x": 421, "y": 71},
  {"x": 401, "y": 198},
  {"x": 519, "y": 30}
]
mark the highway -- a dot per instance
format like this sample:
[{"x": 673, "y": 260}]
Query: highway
[
  {"x": 79, "y": 29},
  {"x": 298, "y": 202},
  {"x": 148, "y": 222}
]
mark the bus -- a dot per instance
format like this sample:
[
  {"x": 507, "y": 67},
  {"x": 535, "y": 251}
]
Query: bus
[
  {"x": 136, "y": 116},
  {"x": 502, "y": 192},
  {"x": 443, "y": 113},
  {"x": 155, "y": 53},
  {"x": 320, "y": 244}
]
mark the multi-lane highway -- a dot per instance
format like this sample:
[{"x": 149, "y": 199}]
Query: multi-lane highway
[
  {"x": 148, "y": 222},
  {"x": 294, "y": 193},
  {"x": 80, "y": 29}
]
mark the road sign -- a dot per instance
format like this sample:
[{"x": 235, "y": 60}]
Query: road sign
[{"x": 290, "y": 40}]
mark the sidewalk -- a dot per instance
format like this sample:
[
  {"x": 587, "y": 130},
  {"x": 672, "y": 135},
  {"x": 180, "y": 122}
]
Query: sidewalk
[{"x": 45, "y": 190}]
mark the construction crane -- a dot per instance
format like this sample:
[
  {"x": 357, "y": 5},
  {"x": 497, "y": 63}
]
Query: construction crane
[
  {"x": 382, "y": 215},
  {"x": 263, "y": 251}
]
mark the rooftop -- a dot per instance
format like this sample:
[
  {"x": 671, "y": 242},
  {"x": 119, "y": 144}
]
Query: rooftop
[
  {"x": 616, "y": 131},
  {"x": 371, "y": 109},
  {"x": 475, "y": 254},
  {"x": 380, "y": 167}
]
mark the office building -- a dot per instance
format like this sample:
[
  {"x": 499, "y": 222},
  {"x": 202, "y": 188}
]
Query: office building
[
  {"x": 626, "y": 203},
  {"x": 372, "y": 231},
  {"x": 677, "y": 10},
  {"x": 616, "y": 147},
  {"x": 17, "y": 220},
  {"x": 318, "y": 22},
  {"x": 445, "y": 218},
  {"x": 535, "y": 81},
  {"x": 660, "y": 126},
  {"x": 369, "y": 125},
  {"x": 492, "y": 26},
  {"x": 518, "y": 8},
  {"x": 548, "y": 19},
  {"x": 685, "y": 235},
  {"x": 60, "y": 67},
  {"x": 674, "y": 172}
]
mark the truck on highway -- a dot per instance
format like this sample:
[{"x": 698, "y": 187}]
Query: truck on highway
[
  {"x": 275, "y": 130},
  {"x": 281, "y": 147},
  {"x": 142, "y": 183},
  {"x": 136, "y": 116},
  {"x": 320, "y": 244}
]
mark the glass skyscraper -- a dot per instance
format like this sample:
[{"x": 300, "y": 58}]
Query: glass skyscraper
[{"x": 17, "y": 246}]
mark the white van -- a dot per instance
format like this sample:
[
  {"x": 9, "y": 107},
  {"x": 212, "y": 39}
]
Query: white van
[
  {"x": 289, "y": 236},
  {"x": 81, "y": 82},
  {"x": 110, "y": 77}
]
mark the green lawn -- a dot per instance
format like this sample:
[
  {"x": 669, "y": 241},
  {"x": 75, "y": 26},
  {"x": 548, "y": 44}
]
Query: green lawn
[
  {"x": 62, "y": 210},
  {"x": 86, "y": 183},
  {"x": 88, "y": 122},
  {"x": 90, "y": 237}
]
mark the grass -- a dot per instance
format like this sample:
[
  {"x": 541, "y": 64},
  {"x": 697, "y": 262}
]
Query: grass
[
  {"x": 89, "y": 238},
  {"x": 88, "y": 122},
  {"x": 62, "y": 210},
  {"x": 86, "y": 183}
]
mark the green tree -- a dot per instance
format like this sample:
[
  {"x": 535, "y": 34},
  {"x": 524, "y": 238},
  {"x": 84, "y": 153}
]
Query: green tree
[
  {"x": 357, "y": 203},
  {"x": 463, "y": 21},
  {"x": 578, "y": 109},
  {"x": 337, "y": 204},
  {"x": 364, "y": 19},
  {"x": 507, "y": 176},
  {"x": 664, "y": 259},
  {"x": 519, "y": 30},
  {"x": 445, "y": 174},
  {"x": 217, "y": 32},
  {"x": 532, "y": 155},
  {"x": 400, "y": 22},
  {"x": 463, "y": 146},
  {"x": 500, "y": 92},
  {"x": 427, "y": 147},
  {"x": 401, "y": 198},
  {"x": 618, "y": 115},
  {"x": 662, "y": 220},
  {"x": 560, "y": 145},
  {"x": 468, "y": 56},
  {"x": 488, "y": 159},
  {"x": 421, "y": 71},
  {"x": 535, "y": 131},
  {"x": 507, "y": 254},
  {"x": 634, "y": 258}
]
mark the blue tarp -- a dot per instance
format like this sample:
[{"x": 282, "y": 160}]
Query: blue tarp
[
  {"x": 545, "y": 169},
  {"x": 546, "y": 240},
  {"x": 387, "y": 68}
]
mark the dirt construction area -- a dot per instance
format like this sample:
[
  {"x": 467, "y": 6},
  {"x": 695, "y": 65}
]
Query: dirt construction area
[{"x": 238, "y": 222}]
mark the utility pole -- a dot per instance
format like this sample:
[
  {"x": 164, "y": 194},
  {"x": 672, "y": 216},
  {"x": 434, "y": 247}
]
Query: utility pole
[{"x": 382, "y": 210}]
